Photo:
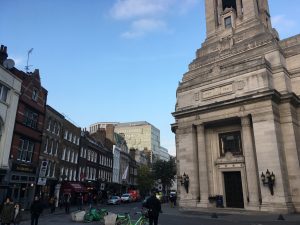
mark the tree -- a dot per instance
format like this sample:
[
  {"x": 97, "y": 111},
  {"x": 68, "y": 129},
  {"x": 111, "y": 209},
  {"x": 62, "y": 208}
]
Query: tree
[
  {"x": 165, "y": 171},
  {"x": 144, "y": 179}
]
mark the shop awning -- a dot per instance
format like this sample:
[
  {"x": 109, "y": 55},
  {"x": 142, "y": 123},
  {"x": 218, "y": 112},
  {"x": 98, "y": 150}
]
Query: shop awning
[{"x": 69, "y": 187}]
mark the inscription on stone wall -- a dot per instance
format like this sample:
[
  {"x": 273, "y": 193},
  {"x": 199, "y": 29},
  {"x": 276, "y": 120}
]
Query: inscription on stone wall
[{"x": 212, "y": 93}]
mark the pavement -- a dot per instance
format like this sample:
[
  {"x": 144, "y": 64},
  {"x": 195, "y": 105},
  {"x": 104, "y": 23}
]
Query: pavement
[{"x": 221, "y": 214}]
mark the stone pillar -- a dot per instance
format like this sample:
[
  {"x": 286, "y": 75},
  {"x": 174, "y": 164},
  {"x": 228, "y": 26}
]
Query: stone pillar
[
  {"x": 269, "y": 152},
  {"x": 202, "y": 159},
  {"x": 220, "y": 10},
  {"x": 251, "y": 166},
  {"x": 188, "y": 161},
  {"x": 239, "y": 8}
]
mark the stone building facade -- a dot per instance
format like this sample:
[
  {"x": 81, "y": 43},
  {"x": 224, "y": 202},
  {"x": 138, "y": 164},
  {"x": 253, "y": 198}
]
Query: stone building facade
[
  {"x": 10, "y": 90},
  {"x": 237, "y": 114}
]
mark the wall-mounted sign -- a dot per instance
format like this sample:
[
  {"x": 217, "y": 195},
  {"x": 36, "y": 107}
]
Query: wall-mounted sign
[{"x": 23, "y": 168}]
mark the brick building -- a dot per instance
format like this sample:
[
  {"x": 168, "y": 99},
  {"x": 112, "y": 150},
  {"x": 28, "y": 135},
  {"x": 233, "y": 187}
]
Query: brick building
[
  {"x": 27, "y": 137},
  {"x": 48, "y": 172}
]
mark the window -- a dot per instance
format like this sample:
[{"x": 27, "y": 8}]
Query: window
[
  {"x": 230, "y": 142},
  {"x": 66, "y": 135},
  {"x": 35, "y": 94},
  {"x": 54, "y": 128},
  {"x": 3, "y": 92},
  {"x": 51, "y": 148},
  {"x": 81, "y": 152},
  {"x": 76, "y": 157},
  {"x": 46, "y": 145},
  {"x": 25, "y": 150},
  {"x": 68, "y": 155},
  {"x": 227, "y": 22},
  {"x": 56, "y": 148},
  {"x": 63, "y": 154},
  {"x": 30, "y": 119},
  {"x": 49, "y": 125}
]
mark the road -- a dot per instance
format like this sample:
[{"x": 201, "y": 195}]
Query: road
[{"x": 172, "y": 216}]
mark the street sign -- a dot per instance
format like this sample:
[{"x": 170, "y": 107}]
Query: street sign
[
  {"x": 43, "y": 168},
  {"x": 42, "y": 181}
]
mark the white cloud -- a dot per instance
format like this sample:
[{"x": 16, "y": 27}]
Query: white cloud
[
  {"x": 19, "y": 60},
  {"x": 282, "y": 21},
  {"x": 140, "y": 27},
  {"x": 127, "y": 9},
  {"x": 148, "y": 16}
]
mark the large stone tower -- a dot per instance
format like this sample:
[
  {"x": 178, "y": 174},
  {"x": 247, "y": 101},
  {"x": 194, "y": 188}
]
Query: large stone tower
[{"x": 237, "y": 115}]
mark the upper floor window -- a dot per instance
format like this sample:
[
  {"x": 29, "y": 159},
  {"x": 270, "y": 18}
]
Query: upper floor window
[
  {"x": 49, "y": 125},
  {"x": 35, "y": 94},
  {"x": 25, "y": 151},
  {"x": 230, "y": 142},
  {"x": 66, "y": 135},
  {"x": 3, "y": 92},
  {"x": 227, "y": 22},
  {"x": 30, "y": 119}
]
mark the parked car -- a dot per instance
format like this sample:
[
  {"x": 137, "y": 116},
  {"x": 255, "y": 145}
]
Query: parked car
[
  {"x": 126, "y": 198},
  {"x": 114, "y": 200}
]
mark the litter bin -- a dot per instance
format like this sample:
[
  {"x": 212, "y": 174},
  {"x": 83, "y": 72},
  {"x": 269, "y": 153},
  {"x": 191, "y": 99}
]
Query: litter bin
[{"x": 219, "y": 201}]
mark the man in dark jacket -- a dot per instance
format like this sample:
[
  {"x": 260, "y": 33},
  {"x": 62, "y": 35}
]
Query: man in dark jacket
[
  {"x": 36, "y": 209},
  {"x": 154, "y": 207}
]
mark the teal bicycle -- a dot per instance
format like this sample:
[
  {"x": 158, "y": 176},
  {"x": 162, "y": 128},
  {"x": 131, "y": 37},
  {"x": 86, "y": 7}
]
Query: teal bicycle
[{"x": 125, "y": 219}]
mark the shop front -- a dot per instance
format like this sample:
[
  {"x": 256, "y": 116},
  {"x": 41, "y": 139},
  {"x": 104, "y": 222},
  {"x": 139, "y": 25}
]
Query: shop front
[{"x": 22, "y": 184}]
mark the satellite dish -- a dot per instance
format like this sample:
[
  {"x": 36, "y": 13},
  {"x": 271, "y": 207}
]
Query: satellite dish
[{"x": 9, "y": 63}]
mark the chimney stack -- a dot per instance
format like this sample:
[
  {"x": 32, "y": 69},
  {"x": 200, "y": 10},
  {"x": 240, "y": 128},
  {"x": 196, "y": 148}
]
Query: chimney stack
[{"x": 3, "y": 54}]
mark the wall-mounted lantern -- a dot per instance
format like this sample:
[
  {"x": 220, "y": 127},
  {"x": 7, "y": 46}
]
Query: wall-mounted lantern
[
  {"x": 268, "y": 179},
  {"x": 185, "y": 181}
]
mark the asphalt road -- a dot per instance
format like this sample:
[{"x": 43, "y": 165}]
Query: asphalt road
[{"x": 172, "y": 216}]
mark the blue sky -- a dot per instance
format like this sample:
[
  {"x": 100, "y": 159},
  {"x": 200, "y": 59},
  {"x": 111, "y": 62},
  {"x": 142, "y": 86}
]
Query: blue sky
[{"x": 115, "y": 60}]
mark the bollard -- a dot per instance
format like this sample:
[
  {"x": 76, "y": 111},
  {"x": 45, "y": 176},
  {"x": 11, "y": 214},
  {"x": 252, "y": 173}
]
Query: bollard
[
  {"x": 214, "y": 215},
  {"x": 280, "y": 217}
]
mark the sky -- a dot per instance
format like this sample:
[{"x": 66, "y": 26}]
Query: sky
[{"x": 115, "y": 60}]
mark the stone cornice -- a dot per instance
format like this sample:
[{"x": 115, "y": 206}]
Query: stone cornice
[{"x": 259, "y": 96}]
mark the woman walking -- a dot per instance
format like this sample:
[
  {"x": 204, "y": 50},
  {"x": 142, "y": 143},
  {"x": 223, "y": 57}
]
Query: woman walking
[{"x": 17, "y": 214}]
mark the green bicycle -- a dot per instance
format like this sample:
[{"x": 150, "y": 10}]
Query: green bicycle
[{"x": 124, "y": 219}]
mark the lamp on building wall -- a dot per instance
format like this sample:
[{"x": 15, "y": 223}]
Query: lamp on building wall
[
  {"x": 185, "y": 181},
  {"x": 268, "y": 179}
]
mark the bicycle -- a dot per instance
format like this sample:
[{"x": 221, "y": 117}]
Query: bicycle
[{"x": 125, "y": 219}]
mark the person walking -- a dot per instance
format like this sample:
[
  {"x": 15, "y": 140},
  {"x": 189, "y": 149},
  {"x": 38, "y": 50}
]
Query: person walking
[
  {"x": 7, "y": 212},
  {"x": 36, "y": 209},
  {"x": 80, "y": 201},
  {"x": 52, "y": 204},
  {"x": 17, "y": 214},
  {"x": 67, "y": 203},
  {"x": 154, "y": 208}
]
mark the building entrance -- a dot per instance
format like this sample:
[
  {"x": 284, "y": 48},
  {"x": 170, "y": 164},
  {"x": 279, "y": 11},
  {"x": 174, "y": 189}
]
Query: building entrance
[{"x": 233, "y": 190}]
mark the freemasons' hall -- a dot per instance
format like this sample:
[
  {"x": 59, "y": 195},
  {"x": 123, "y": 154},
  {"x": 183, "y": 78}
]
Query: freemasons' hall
[{"x": 237, "y": 115}]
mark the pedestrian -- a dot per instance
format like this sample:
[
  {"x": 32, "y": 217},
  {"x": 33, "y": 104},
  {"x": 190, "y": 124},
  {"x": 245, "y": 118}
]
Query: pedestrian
[
  {"x": 154, "y": 208},
  {"x": 52, "y": 204},
  {"x": 80, "y": 201},
  {"x": 7, "y": 212},
  {"x": 17, "y": 214},
  {"x": 67, "y": 203},
  {"x": 36, "y": 209}
]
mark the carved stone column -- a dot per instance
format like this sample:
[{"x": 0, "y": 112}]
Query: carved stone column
[
  {"x": 251, "y": 166},
  {"x": 220, "y": 10},
  {"x": 188, "y": 160},
  {"x": 203, "y": 175},
  {"x": 239, "y": 8}
]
